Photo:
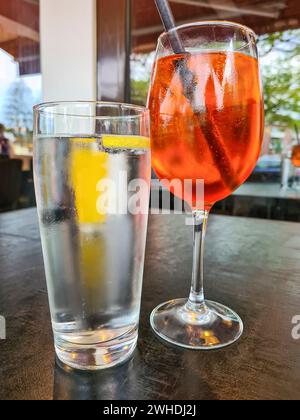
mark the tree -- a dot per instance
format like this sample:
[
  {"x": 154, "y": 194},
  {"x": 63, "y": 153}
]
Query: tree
[
  {"x": 139, "y": 91},
  {"x": 141, "y": 65},
  {"x": 18, "y": 107},
  {"x": 287, "y": 43},
  {"x": 282, "y": 96},
  {"x": 280, "y": 54}
]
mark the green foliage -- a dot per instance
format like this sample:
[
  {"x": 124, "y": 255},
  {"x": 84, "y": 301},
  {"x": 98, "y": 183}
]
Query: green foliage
[
  {"x": 141, "y": 65},
  {"x": 281, "y": 77},
  {"x": 139, "y": 91},
  {"x": 282, "y": 96},
  {"x": 287, "y": 43},
  {"x": 280, "y": 53}
]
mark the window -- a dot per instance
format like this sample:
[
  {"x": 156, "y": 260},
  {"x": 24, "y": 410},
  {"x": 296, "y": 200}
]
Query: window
[
  {"x": 18, "y": 94},
  {"x": 273, "y": 190},
  {"x": 20, "y": 78},
  {"x": 20, "y": 89}
]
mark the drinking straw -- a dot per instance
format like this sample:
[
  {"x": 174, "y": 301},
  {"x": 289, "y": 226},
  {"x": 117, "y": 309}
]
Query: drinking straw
[
  {"x": 215, "y": 143},
  {"x": 168, "y": 21}
]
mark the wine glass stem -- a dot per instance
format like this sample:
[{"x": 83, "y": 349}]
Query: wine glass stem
[{"x": 196, "y": 300}]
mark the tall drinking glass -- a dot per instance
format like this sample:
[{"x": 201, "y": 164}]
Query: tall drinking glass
[
  {"x": 92, "y": 175},
  {"x": 206, "y": 111}
]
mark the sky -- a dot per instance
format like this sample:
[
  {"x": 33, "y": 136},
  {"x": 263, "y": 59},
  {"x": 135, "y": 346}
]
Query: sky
[{"x": 9, "y": 72}]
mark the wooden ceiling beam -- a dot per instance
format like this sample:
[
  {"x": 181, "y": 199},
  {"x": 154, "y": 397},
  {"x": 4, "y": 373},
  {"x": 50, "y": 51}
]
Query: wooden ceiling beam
[
  {"x": 231, "y": 7},
  {"x": 22, "y": 12},
  {"x": 10, "y": 29}
]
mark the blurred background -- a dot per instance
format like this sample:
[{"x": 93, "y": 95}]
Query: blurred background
[{"x": 104, "y": 50}]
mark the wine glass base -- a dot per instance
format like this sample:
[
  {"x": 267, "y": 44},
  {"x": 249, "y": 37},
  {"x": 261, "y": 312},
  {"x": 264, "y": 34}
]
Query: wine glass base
[{"x": 213, "y": 327}]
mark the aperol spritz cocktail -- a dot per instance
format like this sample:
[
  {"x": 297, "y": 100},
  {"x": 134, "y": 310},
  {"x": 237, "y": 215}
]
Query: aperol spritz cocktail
[
  {"x": 229, "y": 108},
  {"x": 206, "y": 111}
]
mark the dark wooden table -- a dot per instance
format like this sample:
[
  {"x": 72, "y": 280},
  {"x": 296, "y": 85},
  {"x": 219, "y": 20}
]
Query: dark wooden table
[{"x": 251, "y": 265}]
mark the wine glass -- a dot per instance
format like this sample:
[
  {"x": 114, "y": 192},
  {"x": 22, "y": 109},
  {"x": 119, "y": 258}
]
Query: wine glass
[
  {"x": 296, "y": 163},
  {"x": 206, "y": 109}
]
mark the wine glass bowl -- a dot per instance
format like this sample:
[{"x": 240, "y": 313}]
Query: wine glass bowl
[{"x": 215, "y": 134}]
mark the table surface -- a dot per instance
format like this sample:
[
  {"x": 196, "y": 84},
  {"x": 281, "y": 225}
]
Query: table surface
[
  {"x": 266, "y": 190},
  {"x": 251, "y": 265}
]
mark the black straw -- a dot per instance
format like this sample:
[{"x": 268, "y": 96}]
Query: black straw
[{"x": 169, "y": 25}]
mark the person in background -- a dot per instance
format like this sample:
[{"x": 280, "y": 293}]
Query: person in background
[{"x": 5, "y": 149}]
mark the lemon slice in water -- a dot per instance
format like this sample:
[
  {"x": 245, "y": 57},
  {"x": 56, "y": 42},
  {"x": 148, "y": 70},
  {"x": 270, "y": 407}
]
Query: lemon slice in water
[
  {"x": 88, "y": 167},
  {"x": 125, "y": 142}
]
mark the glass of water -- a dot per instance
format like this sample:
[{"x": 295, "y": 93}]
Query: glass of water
[{"x": 92, "y": 178}]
